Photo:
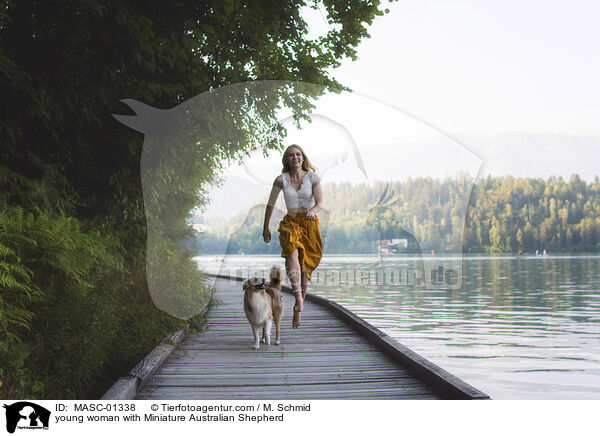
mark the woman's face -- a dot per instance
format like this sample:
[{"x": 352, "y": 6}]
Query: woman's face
[{"x": 294, "y": 158}]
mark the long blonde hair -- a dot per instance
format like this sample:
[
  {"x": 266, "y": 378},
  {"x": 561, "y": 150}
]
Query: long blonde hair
[{"x": 306, "y": 165}]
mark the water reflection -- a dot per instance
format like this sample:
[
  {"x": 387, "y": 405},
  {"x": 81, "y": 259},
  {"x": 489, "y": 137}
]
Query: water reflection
[{"x": 518, "y": 328}]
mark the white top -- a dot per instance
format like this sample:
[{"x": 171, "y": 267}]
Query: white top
[{"x": 303, "y": 198}]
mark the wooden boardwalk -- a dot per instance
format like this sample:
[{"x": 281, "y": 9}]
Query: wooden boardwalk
[{"x": 326, "y": 358}]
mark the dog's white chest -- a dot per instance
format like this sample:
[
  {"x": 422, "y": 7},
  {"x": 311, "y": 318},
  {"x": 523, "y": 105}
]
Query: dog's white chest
[{"x": 259, "y": 309}]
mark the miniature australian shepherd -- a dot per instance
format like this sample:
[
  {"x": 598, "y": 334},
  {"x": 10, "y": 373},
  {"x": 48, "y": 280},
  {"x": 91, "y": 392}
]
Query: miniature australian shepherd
[{"x": 263, "y": 305}]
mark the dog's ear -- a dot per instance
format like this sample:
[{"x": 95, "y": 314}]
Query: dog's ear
[{"x": 245, "y": 285}]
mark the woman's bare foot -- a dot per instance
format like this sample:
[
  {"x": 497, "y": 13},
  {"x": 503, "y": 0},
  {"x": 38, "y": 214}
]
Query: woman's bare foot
[
  {"x": 297, "y": 309},
  {"x": 296, "y": 319}
]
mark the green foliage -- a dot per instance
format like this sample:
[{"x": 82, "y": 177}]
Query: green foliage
[
  {"x": 66, "y": 66},
  {"x": 504, "y": 214},
  {"x": 48, "y": 268},
  {"x": 534, "y": 214},
  {"x": 66, "y": 300},
  {"x": 75, "y": 311}
]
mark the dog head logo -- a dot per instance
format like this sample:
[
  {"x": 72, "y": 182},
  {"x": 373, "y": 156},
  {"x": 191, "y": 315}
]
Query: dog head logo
[
  {"x": 199, "y": 138},
  {"x": 186, "y": 145},
  {"x": 26, "y": 415}
]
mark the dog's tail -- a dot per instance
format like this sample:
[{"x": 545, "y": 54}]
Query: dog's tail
[{"x": 276, "y": 275}]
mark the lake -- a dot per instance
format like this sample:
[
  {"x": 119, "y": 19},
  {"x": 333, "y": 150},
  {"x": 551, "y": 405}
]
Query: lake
[{"x": 519, "y": 327}]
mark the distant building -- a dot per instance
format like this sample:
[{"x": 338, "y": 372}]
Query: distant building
[{"x": 387, "y": 246}]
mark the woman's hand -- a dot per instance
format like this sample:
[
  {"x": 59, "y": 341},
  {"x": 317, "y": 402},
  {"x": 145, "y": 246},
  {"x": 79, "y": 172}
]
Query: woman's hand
[
  {"x": 311, "y": 215},
  {"x": 267, "y": 235}
]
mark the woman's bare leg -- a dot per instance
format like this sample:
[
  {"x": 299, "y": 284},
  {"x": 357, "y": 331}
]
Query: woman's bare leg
[
  {"x": 304, "y": 284},
  {"x": 292, "y": 268}
]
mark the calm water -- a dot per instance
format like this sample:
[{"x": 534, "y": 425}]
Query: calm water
[{"x": 518, "y": 328}]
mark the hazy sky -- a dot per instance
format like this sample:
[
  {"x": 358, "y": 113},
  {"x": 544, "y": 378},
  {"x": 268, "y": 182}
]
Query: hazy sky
[
  {"x": 467, "y": 74},
  {"x": 485, "y": 66}
]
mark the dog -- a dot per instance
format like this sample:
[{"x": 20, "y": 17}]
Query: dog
[{"x": 263, "y": 306}]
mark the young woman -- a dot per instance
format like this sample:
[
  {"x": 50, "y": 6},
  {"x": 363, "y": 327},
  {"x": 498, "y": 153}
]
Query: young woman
[{"x": 299, "y": 233}]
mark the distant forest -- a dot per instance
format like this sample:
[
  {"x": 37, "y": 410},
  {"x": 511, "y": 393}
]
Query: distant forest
[{"x": 503, "y": 214}]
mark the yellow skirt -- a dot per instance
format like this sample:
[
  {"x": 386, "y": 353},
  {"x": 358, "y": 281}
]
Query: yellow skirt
[{"x": 303, "y": 235}]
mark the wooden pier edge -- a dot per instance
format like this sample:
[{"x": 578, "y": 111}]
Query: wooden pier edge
[
  {"x": 126, "y": 388},
  {"x": 437, "y": 378}
]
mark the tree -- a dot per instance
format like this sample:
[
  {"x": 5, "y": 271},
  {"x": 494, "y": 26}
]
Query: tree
[
  {"x": 66, "y": 65},
  {"x": 65, "y": 161}
]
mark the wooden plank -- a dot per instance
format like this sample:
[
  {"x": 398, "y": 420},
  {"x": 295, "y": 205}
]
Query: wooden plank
[
  {"x": 278, "y": 372},
  {"x": 224, "y": 368},
  {"x": 322, "y": 388},
  {"x": 270, "y": 350},
  {"x": 242, "y": 339},
  {"x": 272, "y": 358},
  {"x": 305, "y": 362},
  {"x": 438, "y": 378},
  {"x": 182, "y": 394},
  {"x": 325, "y": 358},
  {"x": 282, "y": 380},
  {"x": 245, "y": 348},
  {"x": 317, "y": 392}
]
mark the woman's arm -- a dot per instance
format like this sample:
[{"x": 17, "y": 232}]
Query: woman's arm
[
  {"x": 318, "y": 194},
  {"x": 275, "y": 190}
]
